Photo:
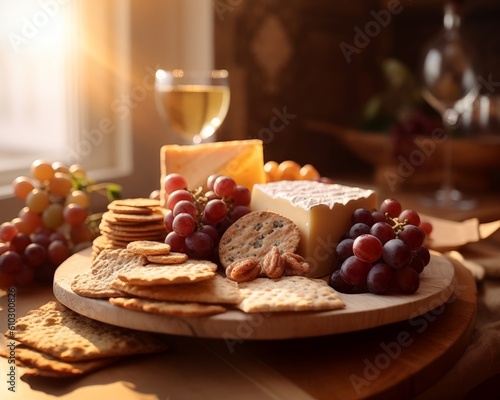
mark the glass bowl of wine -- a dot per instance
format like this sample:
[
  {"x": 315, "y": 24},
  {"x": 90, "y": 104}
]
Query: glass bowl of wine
[{"x": 192, "y": 103}]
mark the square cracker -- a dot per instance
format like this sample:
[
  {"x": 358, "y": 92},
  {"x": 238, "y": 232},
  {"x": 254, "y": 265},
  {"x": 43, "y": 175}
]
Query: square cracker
[
  {"x": 56, "y": 330},
  {"x": 96, "y": 282},
  {"x": 289, "y": 293},
  {"x": 42, "y": 364},
  {"x": 160, "y": 274},
  {"x": 216, "y": 290},
  {"x": 167, "y": 307},
  {"x": 171, "y": 258}
]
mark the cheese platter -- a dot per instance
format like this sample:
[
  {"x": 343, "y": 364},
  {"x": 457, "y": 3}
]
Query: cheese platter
[{"x": 362, "y": 311}]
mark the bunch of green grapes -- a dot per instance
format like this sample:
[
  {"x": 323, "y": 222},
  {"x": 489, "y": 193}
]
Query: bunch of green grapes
[{"x": 50, "y": 226}]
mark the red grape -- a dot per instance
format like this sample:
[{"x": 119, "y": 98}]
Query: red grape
[
  {"x": 362, "y": 215},
  {"x": 20, "y": 242},
  {"x": 183, "y": 224},
  {"x": 7, "y": 231},
  {"x": 241, "y": 195},
  {"x": 177, "y": 196},
  {"x": 237, "y": 212},
  {"x": 378, "y": 216},
  {"x": 4, "y": 247},
  {"x": 10, "y": 263},
  {"x": 168, "y": 219},
  {"x": 212, "y": 232},
  {"x": 58, "y": 251},
  {"x": 391, "y": 206},
  {"x": 210, "y": 181},
  {"x": 75, "y": 214},
  {"x": 199, "y": 245},
  {"x": 224, "y": 186},
  {"x": 426, "y": 227},
  {"x": 215, "y": 211},
  {"x": 397, "y": 254},
  {"x": 176, "y": 242},
  {"x": 367, "y": 248},
  {"x": 31, "y": 219},
  {"x": 35, "y": 254},
  {"x": 411, "y": 216},
  {"x": 337, "y": 282},
  {"x": 343, "y": 251},
  {"x": 380, "y": 279},
  {"x": 407, "y": 280},
  {"x": 354, "y": 271},
  {"x": 21, "y": 225},
  {"x": 58, "y": 236},
  {"x": 174, "y": 182},
  {"x": 417, "y": 264},
  {"x": 423, "y": 254},
  {"x": 382, "y": 231},
  {"x": 412, "y": 235},
  {"x": 358, "y": 229},
  {"x": 40, "y": 239},
  {"x": 185, "y": 206}
]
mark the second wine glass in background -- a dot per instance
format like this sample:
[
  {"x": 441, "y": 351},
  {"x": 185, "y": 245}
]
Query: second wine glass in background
[
  {"x": 192, "y": 103},
  {"x": 449, "y": 78}
]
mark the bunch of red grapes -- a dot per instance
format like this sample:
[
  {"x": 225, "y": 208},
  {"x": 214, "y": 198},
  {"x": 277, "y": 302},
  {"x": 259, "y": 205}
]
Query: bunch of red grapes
[
  {"x": 383, "y": 251},
  {"x": 195, "y": 220},
  {"x": 50, "y": 225}
]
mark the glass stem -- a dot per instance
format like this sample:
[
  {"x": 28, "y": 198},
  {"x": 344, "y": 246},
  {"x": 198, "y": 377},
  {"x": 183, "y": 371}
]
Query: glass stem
[{"x": 447, "y": 184}]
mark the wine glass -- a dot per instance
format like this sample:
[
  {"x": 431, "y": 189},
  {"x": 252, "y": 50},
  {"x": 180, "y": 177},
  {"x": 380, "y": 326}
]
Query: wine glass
[
  {"x": 193, "y": 103},
  {"x": 450, "y": 86}
]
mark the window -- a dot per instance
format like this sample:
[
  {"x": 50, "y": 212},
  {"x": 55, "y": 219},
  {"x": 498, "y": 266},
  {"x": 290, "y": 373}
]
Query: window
[{"x": 60, "y": 86}]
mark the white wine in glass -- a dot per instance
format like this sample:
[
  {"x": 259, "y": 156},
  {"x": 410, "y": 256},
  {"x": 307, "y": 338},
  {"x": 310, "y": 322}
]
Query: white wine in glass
[{"x": 193, "y": 103}]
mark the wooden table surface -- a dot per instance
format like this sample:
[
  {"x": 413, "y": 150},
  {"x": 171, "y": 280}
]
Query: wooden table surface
[{"x": 394, "y": 361}]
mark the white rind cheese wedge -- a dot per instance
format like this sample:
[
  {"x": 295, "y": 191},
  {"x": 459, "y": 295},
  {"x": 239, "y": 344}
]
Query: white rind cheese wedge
[
  {"x": 242, "y": 160},
  {"x": 322, "y": 212}
]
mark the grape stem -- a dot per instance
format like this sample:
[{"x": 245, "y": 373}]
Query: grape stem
[{"x": 398, "y": 225}]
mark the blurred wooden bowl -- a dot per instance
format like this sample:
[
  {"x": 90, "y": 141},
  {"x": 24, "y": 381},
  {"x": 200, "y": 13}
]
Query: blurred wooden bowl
[{"x": 472, "y": 159}]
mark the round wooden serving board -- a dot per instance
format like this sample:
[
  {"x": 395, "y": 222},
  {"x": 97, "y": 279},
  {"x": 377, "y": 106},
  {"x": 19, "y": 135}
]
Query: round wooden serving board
[{"x": 362, "y": 311}]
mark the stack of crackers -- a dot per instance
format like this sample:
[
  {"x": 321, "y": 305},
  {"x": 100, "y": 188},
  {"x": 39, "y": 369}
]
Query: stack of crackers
[
  {"x": 57, "y": 342},
  {"x": 129, "y": 220},
  {"x": 133, "y": 278}
]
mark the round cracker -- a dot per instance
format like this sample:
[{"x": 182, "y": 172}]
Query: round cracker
[
  {"x": 254, "y": 234},
  {"x": 148, "y": 247},
  {"x": 137, "y": 202},
  {"x": 138, "y": 218},
  {"x": 129, "y": 210}
]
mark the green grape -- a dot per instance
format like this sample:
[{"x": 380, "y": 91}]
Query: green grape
[
  {"x": 60, "y": 184},
  {"x": 78, "y": 197},
  {"x": 22, "y": 186},
  {"x": 60, "y": 167},
  {"x": 77, "y": 170},
  {"x": 53, "y": 217},
  {"x": 42, "y": 170},
  {"x": 37, "y": 200}
]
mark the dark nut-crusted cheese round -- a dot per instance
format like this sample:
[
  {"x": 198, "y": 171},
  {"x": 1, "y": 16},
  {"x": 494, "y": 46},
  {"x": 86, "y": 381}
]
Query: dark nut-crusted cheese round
[{"x": 254, "y": 234}]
